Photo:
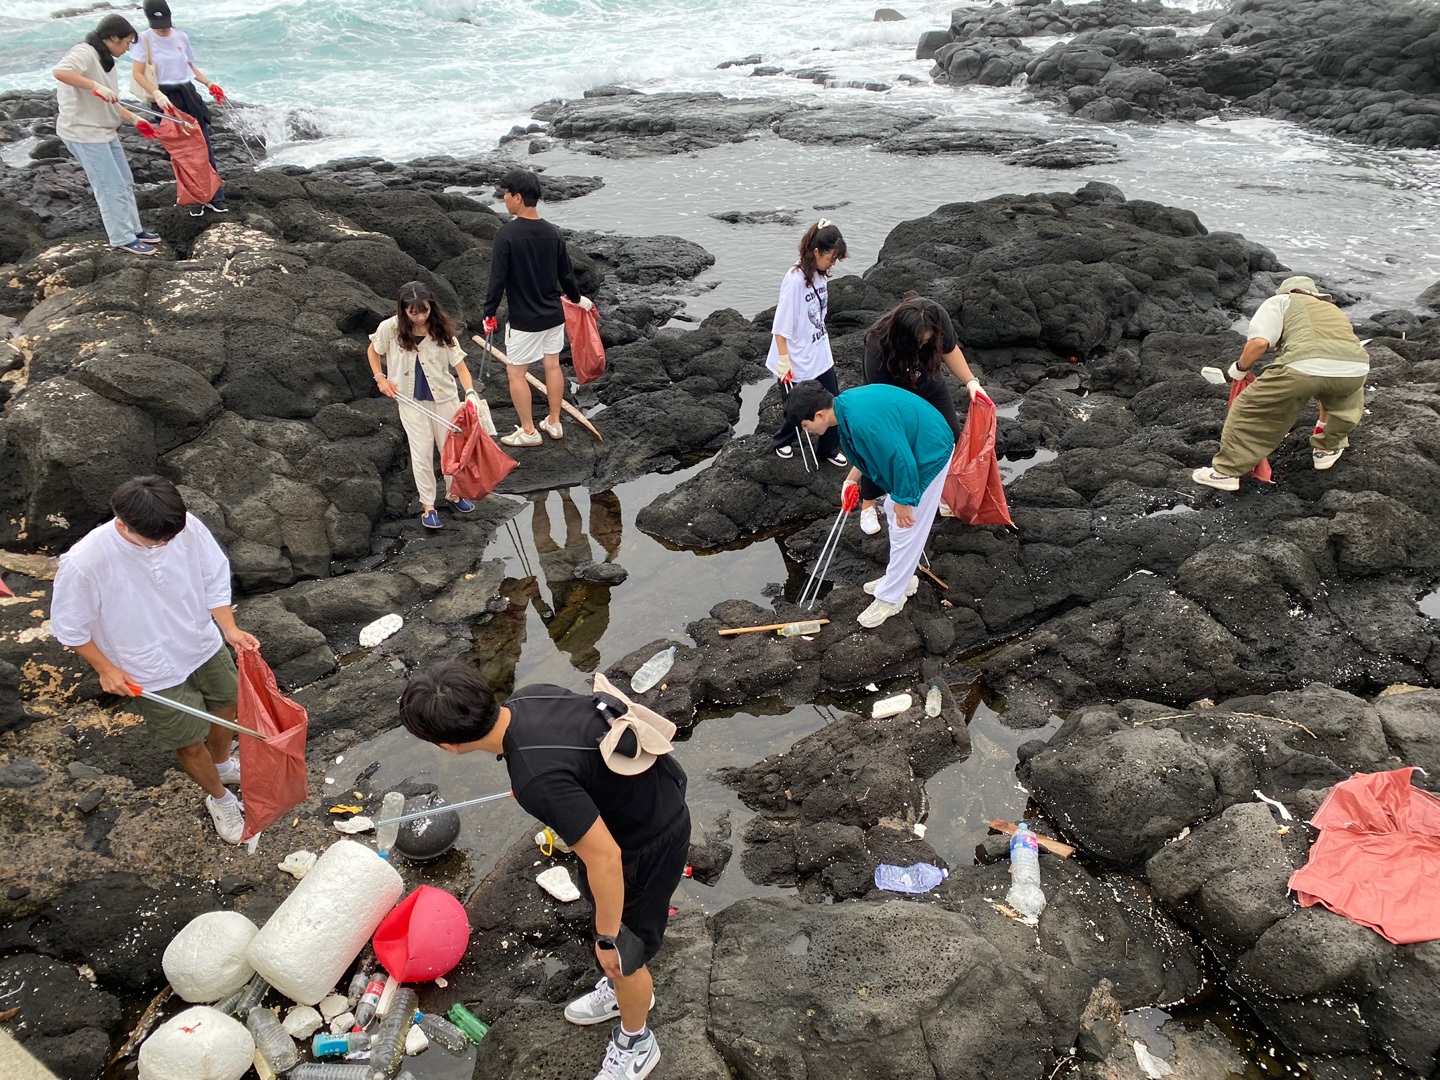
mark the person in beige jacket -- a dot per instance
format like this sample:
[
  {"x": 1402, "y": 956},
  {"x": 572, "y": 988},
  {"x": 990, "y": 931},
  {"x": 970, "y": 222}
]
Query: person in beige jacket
[{"x": 1317, "y": 356}]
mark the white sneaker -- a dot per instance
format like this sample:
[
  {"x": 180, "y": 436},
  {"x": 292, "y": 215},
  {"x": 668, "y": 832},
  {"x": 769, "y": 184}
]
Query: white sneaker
[
  {"x": 945, "y": 510},
  {"x": 910, "y": 589},
  {"x": 229, "y": 818},
  {"x": 520, "y": 437},
  {"x": 1325, "y": 459},
  {"x": 878, "y": 612},
  {"x": 1210, "y": 478},
  {"x": 869, "y": 521},
  {"x": 555, "y": 430},
  {"x": 632, "y": 1063},
  {"x": 229, "y": 771},
  {"x": 597, "y": 1006}
]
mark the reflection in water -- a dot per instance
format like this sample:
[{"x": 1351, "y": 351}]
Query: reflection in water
[{"x": 579, "y": 611}]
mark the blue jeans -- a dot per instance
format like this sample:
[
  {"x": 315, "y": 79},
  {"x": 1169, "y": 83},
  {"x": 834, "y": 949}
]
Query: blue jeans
[{"x": 113, "y": 186}]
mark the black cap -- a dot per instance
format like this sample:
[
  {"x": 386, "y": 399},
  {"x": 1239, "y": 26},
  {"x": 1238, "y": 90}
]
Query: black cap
[{"x": 157, "y": 13}]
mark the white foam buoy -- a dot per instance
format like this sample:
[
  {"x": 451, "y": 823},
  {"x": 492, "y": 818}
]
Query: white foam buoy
[
  {"x": 379, "y": 630},
  {"x": 891, "y": 706},
  {"x": 556, "y": 881},
  {"x": 206, "y": 960},
  {"x": 199, "y": 1044}
]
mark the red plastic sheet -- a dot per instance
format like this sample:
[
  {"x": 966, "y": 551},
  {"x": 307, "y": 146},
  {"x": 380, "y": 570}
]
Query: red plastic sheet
[
  {"x": 424, "y": 936},
  {"x": 973, "y": 488},
  {"x": 195, "y": 180},
  {"x": 1378, "y": 857},
  {"x": 587, "y": 352},
  {"x": 273, "y": 770},
  {"x": 1261, "y": 471},
  {"x": 471, "y": 459}
]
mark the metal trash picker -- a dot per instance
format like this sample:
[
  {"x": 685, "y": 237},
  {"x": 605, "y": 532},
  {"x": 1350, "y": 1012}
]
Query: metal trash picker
[{"x": 849, "y": 499}]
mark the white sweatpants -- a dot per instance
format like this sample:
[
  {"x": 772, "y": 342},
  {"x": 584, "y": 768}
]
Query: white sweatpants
[
  {"x": 426, "y": 436},
  {"x": 907, "y": 545}
]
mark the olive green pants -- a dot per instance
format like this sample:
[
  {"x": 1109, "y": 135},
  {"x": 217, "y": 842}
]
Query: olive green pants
[{"x": 1267, "y": 409}]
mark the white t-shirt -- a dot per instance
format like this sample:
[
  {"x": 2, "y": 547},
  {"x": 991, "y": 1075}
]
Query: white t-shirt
[
  {"x": 85, "y": 118},
  {"x": 171, "y": 55},
  {"x": 146, "y": 609},
  {"x": 800, "y": 320},
  {"x": 1268, "y": 322}
]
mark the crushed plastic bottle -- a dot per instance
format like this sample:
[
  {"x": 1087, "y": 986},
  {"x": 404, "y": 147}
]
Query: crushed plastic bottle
[
  {"x": 1025, "y": 895},
  {"x": 920, "y": 878},
  {"x": 474, "y": 1028},
  {"x": 272, "y": 1041},
  {"x": 361, "y": 978},
  {"x": 442, "y": 1031},
  {"x": 328, "y": 1071},
  {"x": 932, "y": 701},
  {"x": 795, "y": 629},
  {"x": 369, "y": 1001},
  {"x": 387, "y": 1048},
  {"x": 653, "y": 670},
  {"x": 227, "y": 1006},
  {"x": 392, "y": 806},
  {"x": 347, "y": 1042},
  {"x": 254, "y": 993}
]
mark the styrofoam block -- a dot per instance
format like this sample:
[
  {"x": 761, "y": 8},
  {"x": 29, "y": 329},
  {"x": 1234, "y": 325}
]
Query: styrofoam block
[
  {"x": 199, "y": 1044},
  {"x": 206, "y": 960},
  {"x": 315, "y": 935},
  {"x": 301, "y": 1022},
  {"x": 332, "y": 1005},
  {"x": 416, "y": 1041}
]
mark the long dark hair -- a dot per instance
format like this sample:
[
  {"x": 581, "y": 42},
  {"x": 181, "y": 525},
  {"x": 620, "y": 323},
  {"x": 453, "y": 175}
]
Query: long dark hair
[
  {"x": 439, "y": 326},
  {"x": 822, "y": 237},
  {"x": 898, "y": 333},
  {"x": 111, "y": 26}
]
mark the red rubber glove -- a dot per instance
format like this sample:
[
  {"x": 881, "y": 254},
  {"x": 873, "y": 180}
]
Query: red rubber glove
[
  {"x": 491, "y": 325},
  {"x": 849, "y": 497},
  {"x": 147, "y": 129},
  {"x": 217, "y": 93}
]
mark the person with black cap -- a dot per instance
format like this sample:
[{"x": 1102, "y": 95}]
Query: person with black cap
[
  {"x": 597, "y": 769},
  {"x": 163, "y": 70},
  {"x": 88, "y": 121}
]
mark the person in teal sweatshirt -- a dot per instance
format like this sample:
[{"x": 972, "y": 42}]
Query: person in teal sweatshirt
[{"x": 899, "y": 442}]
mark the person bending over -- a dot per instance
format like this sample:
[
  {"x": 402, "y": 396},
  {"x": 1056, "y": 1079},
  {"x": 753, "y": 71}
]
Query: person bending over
[{"x": 598, "y": 771}]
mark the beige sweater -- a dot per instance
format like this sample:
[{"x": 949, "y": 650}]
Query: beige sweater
[{"x": 85, "y": 118}]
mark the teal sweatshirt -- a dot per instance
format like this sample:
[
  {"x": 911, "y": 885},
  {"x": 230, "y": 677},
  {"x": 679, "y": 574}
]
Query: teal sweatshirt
[{"x": 896, "y": 438}]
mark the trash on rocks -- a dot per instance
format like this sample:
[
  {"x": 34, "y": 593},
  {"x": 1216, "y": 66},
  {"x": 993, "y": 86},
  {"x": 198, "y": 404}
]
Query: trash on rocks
[
  {"x": 369, "y": 1003},
  {"x": 474, "y": 1028},
  {"x": 1054, "y": 847},
  {"x": 891, "y": 706},
  {"x": 920, "y": 878},
  {"x": 341, "y": 808},
  {"x": 556, "y": 881},
  {"x": 429, "y": 837},
  {"x": 1025, "y": 895},
  {"x": 324, "y": 1070},
  {"x": 1152, "y": 1066},
  {"x": 387, "y": 1045},
  {"x": 1285, "y": 814},
  {"x": 199, "y": 1044},
  {"x": 302, "y": 1021},
  {"x": 549, "y": 842},
  {"x": 298, "y": 863},
  {"x": 932, "y": 700},
  {"x": 272, "y": 1042},
  {"x": 416, "y": 1041},
  {"x": 339, "y": 1045},
  {"x": 206, "y": 960},
  {"x": 1213, "y": 375},
  {"x": 387, "y": 996},
  {"x": 143, "y": 1025},
  {"x": 653, "y": 670},
  {"x": 344, "y": 1022},
  {"x": 792, "y": 629},
  {"x": 379, "y": 630},
  {"x": 442, "y": 1031},
  {"x": 391, "y": 807},
  {"x": 332, "y": 1005},
  {"x": 313, "y": 937},
  {"x": 254, "y": 993},
  {"x": 424, "y": 936},
  {"x": 355, "y": 825}
]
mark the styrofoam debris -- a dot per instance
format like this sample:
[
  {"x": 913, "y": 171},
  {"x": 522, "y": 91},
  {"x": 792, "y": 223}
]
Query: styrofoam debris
[
  {"x": 332, "y": 1005},
  {"x": 379, "y": 630},
  {"x": 342, "y": 1023},
  {"x": 301, "y": 1022},
  {"x": 206, "y": 961},
  {"x": 1150, "y": 1065},
  {"x": 891, "y": 706},
  {"x": 556, "y": 881},
  {"x": 199, "y": 1044},
  {"x": 298, "y": 863},
  {"x": 416, "y": 1041},
  {"x": 872, "y": 688},
  {"x": 441, "y": 981},
  {"x": 355, "y": 824},
  {"x": 918, "y": 829}
]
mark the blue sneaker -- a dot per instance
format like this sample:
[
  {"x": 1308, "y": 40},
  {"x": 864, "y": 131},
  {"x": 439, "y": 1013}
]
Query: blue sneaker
[
  {"x": 431, "y": 519},
  {"x": 462, "y": 506},
  {"x": 145, "y": 236},
  {"x": 137, "y": 247}
]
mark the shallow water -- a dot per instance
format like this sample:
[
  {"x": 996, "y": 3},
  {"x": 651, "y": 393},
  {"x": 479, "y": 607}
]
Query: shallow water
[{"x": 1430, "y": 604}]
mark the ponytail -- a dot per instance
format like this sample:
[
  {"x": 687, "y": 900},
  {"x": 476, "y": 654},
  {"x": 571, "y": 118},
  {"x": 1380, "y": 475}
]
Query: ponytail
[{"x": 821, "y": 238}]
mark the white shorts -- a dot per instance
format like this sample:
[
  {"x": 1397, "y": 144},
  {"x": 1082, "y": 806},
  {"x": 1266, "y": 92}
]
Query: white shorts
[{"x": 523, "y": 347}]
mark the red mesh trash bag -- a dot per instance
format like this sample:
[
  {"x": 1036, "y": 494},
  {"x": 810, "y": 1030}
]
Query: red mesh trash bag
[
  {"x": 582, "y": 329},
  {"x": 471, "y": 459},
  {"x": 274, "y": 768},
  {"x": 424, "y": 937},
  {"x": 1261, "y": 471},
  {"x": 973, "y": 489},
  {"x": 1378, "y": 857},
  {"x": 195, "y": 180}
]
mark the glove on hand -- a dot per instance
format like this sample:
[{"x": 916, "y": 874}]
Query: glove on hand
[
  {"x": 105, "y": 94},
  {"x": 849, "y": 497},
  {"x": 147, "y": 129},
  {"x": 783, "y": 370},
  {"x": 491, "y": 325},
  {"x": 976, "y": 392},
  {"x": 217, "y": 93},
  {"x": 1236, "y": 372},
  {"x": 587, "y": 303},
  {"x": 162, "y": 102}
]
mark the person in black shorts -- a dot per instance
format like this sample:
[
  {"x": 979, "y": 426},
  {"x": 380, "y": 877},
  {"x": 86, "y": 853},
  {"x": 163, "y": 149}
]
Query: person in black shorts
[{"x": 598, "y": 771}]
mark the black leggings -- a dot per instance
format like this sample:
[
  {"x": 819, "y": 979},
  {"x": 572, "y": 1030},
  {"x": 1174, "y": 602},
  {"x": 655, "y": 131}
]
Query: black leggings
[
  {"x": 937, "y": 393},
  {"x": 828, "y": 445}
]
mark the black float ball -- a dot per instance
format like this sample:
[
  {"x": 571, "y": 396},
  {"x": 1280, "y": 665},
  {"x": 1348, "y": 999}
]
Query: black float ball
[{"x": 429, "y": 837}]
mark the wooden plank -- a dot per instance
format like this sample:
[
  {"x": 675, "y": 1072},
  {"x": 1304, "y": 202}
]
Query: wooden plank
[
  {"x": 572, "y": 410},
  {"x": 1055, "y": 847},
  {"x": 771, "y": 626}
]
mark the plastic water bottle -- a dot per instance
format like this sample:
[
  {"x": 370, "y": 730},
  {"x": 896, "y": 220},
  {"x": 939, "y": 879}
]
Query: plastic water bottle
[
  {"x": 369, "y": 1001},
  {"x": 920, "y": 878},
  {"x": 361, "y": 978},
  {"x": 932, "y": 701},
  {"x": 387, "y": 1048},
  {"x": 442, "y": 1031},
  {"x": 339, "y": 1045},
  {"x": 254, "y": 993},
  {"x": 272, "y": 1041},
  {"x": 474, "y": 1028},
  {"x": 1025, "y": 895},
  {"x": 795, "y": 629},
  {"x": 653, "y": 670},
  {"x": 227, "y": 1006},
  {"x": 392, "y": 806},
  {"x": 328, "y": 1071}
]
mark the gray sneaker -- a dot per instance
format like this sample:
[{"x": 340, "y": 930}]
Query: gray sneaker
[
  {"x": 629, "y": 1060},
  {"x": 229, "y": 818},
  {"x": 597, "y": 1006}
]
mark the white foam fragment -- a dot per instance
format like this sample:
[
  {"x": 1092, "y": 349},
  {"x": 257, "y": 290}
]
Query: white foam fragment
[
  {"x": 379, "y": 630},
  {"x": 891, "y": 706},
  {"x": 301, "y": 1022},
  {"x": 556, "y": 881},
  {"x": 342, "y": 1023},
  {"x": 332, "y": 1005},
  {"x": 199, "y": 1044},
  {"x": 355, "y": 824},
  {"x": 206, "y": 960},
  {"x": 298, "y": 863},
  {"x": 416, "y": 1041}
]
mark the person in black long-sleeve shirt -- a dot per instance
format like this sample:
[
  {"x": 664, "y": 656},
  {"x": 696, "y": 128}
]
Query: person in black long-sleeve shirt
[{"x": 530, "y": 266}]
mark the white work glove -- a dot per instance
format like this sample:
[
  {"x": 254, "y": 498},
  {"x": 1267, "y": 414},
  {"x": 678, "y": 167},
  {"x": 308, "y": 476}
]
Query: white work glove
[
  {"x": 104, "y": 93},
  {"x": 782, "y": 369},
  {"x": 1236, "y": 372},
  {"x": 975, "y": 392},
  {"x": 587, "y": 303},
  {"x": 161, "y": 101}
]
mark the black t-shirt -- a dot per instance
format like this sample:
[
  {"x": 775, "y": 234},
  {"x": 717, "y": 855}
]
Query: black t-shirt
[
  {"x": 875, "y": 365},
  {"x": 569, "y": 788},
  {"x": 530, "y": 265}
]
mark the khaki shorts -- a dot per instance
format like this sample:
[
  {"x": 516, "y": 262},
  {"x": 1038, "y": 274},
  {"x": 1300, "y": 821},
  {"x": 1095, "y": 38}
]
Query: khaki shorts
[
  {"x": 213, "y": 685},
  {"x": 523, "y": 347}
]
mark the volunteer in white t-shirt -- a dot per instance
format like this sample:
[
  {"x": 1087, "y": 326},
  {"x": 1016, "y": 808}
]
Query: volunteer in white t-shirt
[
  {"x": 90, "y": 114},
  {"x": 800, "y": 345}
]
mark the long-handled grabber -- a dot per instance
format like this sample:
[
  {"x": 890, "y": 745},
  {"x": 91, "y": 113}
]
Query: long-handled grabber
[
  {"x": 186, "y": 124},
  {"x": 198, "y": 713},
  {"x": 435, "y": 810},
  {"x": 804, "y": 439},
  {"x": 421, "y": 408},
  {"x": 849, "y": 499}
]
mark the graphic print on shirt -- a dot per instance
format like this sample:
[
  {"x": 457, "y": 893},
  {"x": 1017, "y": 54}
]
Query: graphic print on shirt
[{"x": 816, "y": 301}]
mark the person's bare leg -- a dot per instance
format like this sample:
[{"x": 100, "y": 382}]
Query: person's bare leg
[
  {"x": 554, "y": 386},
  {"x": 633, "y": 993},
  {"x": 520, "y": 397},
  {"x": 218, "y": 740},
  {"x": 195, "y": 759}
]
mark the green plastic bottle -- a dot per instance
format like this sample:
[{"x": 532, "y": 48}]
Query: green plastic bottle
[{"x": 474, "y": 1028}]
